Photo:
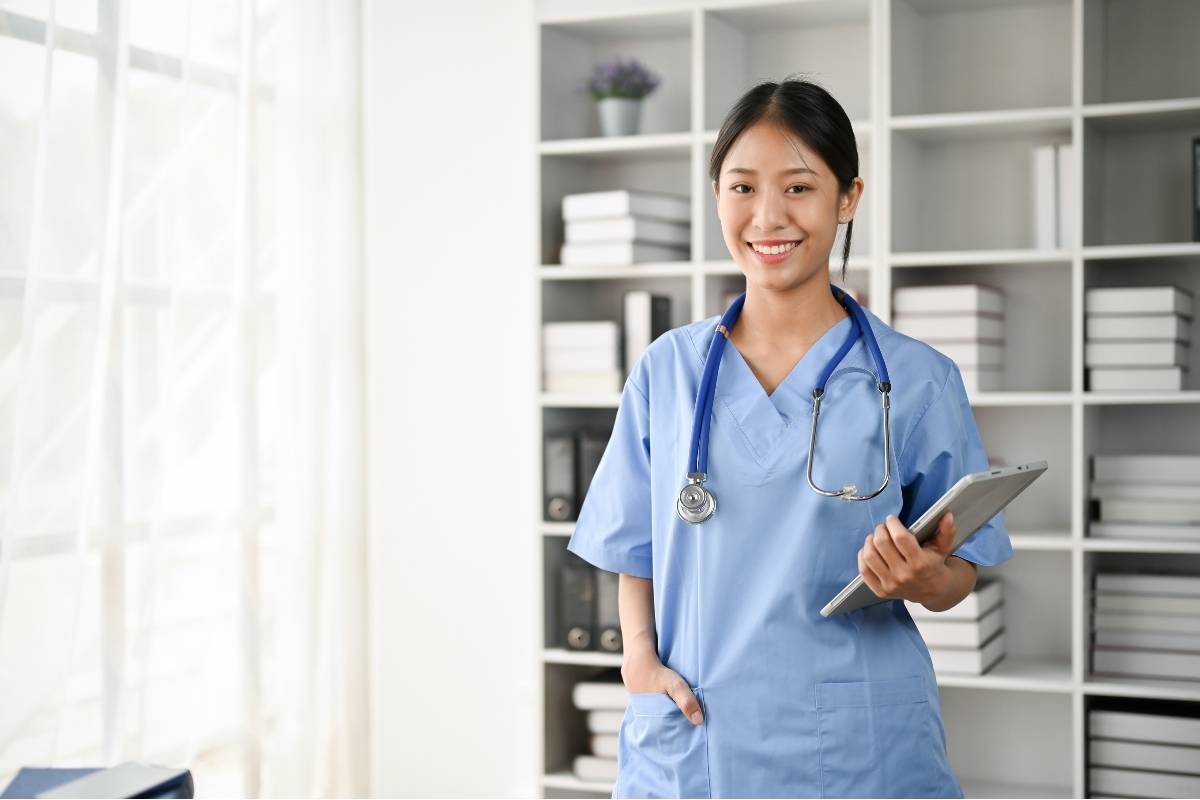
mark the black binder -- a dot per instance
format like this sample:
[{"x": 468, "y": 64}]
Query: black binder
[
  {"x": 560, "y": 477},
  {"x": 577, "y": 603},
  {"x": 608, "y": 621},
  {"x": 591, "y": 450}
]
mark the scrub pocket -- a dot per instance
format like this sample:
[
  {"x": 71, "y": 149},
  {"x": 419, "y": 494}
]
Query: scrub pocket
[
  {"x": 881, "y": 739},
  {"x": 662, "y": 753}
]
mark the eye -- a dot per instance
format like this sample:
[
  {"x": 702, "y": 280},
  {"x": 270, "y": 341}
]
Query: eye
[
  {"x": 736, "y": 185},
  {"x": 800, "y": 186}
]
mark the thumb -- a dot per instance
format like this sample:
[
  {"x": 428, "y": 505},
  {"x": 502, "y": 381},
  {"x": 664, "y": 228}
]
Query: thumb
[
  {"x": 944, "y": 539},
  {"x": 681, "y": 693}
]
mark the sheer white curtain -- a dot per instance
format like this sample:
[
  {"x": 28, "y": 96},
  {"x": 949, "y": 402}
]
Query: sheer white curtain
[{"x": 181, "y": 428}]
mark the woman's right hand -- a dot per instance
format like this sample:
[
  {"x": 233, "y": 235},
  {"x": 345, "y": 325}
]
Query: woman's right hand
[{"x": 642, "y": 671}]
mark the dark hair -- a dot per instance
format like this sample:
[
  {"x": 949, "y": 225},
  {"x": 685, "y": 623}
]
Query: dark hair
[{"x": 807, "y": 111}]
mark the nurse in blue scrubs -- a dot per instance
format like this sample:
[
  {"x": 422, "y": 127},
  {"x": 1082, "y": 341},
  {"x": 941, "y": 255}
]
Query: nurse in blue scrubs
[{"x": 738, "y": 686}]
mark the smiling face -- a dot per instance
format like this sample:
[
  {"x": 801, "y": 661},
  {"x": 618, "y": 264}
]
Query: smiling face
[{"x": 779, "y": 207}]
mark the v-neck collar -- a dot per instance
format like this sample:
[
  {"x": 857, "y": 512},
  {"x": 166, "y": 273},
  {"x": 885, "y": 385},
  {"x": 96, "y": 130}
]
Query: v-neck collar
[{"x": 764, "y": 421}]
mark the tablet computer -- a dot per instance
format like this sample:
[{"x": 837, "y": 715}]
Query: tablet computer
[{"x": 975, "y": 499}]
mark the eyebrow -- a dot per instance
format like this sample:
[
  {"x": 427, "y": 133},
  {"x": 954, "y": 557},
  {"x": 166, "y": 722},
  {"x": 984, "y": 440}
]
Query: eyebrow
[{"x": 781, "y": 172}]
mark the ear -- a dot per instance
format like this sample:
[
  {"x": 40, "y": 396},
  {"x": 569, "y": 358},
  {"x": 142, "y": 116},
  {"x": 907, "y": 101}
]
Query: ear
[
  {"x": 848, "y": 201},
  {"x": 716, "y": 191}
]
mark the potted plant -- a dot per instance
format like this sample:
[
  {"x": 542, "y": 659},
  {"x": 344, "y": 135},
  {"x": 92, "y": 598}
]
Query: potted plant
[{"x": 618, "y": 88}]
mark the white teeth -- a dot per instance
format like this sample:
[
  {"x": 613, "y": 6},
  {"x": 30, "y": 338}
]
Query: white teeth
[{"x": 773, "y": 250}]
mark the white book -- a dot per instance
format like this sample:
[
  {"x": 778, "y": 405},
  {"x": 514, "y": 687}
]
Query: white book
[
  {"x": 1043, "y": 181},
  {"x": 596, "y": 695},
  {"x": 618, "y": 254},
  {"x": 955, "y": 300},
  {"x": 987, "y": 594},
  {"x": 595, "y": 768},
  {"x": 1135, "y": 354},
  {"x": 627, "y": 202},
  {"x": 1146, "y": 663},
  {"x": 982, "y": 379},
  {"x": 580, "y": 334},
  {"x": 1169, "y": 327},
  {"x": 1161, "y": 623},
  {"x": 1146, "y": 604},
  {"x": 1186, "y": 585},
  {"x": 1144, "y": 755},
  {"x": 972, "y": 354},
  {"x": 1138, "y": 726},
  {"x": 1139, "y": 783},
  {"x": 605, "y": 721},
  {"x": 1147, "y": 468},
  {"x": 1148, "y": 640},
  {"x": 1125, "y": 300},
  {"x": 580, "y": 359},
  {"x": 1146, "y": 379},
  {"x": 1135, "y": 530},
  {"x": 629, "y": 229},
  {"x": 604, "y": 745},
  {"x": 960, "y": 633},
  {"x": 1166, "y": 511},
  {"x": 645, "y": 316},
  {"x": 950, "y": 327},
  {"x": 594, "y": 382},
  {"x": 968, "y": 661},
  {"x": 1068, "y": 201},
  {"x": 1144, "y": 491}
]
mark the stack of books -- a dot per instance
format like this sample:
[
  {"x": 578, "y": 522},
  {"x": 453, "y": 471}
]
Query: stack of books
[
  {"x": 965, "y": 322},
  {"x": 1052, "y": 173},
  {"x": 1146, "y": 496},
  {"x": 604, "y": 701},
  {"x": 1146, "y": 625},
  {"x": 582, "y": 357},
  {"x": 968, "y": 638},
  {"x": 625, "y": 226},
  {"x": 1137, "y": 338},
  {"x": 1136, "y": 754}
]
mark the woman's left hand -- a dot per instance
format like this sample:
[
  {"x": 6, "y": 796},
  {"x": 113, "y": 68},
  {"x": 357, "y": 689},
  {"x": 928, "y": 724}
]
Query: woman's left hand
[{"x": 895, "y": 566}]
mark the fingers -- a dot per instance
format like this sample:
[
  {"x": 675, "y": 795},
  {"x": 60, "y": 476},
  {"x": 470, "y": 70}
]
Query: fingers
[
  {"x": 903, "y": 538},
  {"x": 883, "y": 540},
  {"x": 681, "y": 693},
  {"x": 870, "y": 578}
]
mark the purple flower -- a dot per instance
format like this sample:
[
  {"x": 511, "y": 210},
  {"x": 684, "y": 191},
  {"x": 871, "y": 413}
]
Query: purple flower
[{"x": 621, "y": 79}]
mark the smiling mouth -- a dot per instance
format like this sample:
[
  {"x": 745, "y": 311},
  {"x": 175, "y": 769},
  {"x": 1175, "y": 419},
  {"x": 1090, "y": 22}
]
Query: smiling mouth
[{"x": 772, "y": 250}]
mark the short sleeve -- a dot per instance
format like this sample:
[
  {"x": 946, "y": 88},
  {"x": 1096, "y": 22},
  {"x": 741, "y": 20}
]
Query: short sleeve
[
  {"x": 944, "y": 446},
  {"x": 613, "y": 530}
]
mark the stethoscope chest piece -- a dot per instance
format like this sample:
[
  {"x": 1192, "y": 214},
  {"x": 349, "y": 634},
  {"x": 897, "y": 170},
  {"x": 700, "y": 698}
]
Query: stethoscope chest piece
[{"x": 695, "y": 503}]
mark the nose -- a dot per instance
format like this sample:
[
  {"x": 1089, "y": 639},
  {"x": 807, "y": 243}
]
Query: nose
[{"x": 770, "y": 214}]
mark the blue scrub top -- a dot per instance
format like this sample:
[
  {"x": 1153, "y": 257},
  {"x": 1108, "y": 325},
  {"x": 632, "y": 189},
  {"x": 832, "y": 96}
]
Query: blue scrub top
[{"x": 795, "y": 704}]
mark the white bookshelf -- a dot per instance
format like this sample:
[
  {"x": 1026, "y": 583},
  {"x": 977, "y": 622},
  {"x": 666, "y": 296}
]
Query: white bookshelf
[{"x": 947, "y": 98}]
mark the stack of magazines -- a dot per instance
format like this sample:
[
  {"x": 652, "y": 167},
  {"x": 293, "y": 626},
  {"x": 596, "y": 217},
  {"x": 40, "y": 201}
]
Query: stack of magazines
[
  {"x": 968, "y": 638},
  {"x": 964, "y": 322},
  {"x": 605, "y": 702},
  {"x": 625, "y": 226},
  {"x": 1146, "y": 625},
  {"x": 1146, "y": 496}
]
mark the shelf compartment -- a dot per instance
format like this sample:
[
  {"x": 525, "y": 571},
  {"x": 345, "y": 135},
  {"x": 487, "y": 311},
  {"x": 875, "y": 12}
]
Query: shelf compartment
[
  {"x": 946, "y": 54},
  {"x": 1137, "y": 170},
  {"x": 1017, "y": 674},
  {"x": 571, "y": 49},
  {"x": 655, "y": 170},
  {"x": 747, "y": 44},
  {"x": 1140, "y": 51},
  {"x": 981, "y": 724},
  {"x": 1037, "y": 320},
  {"x": 1183, "y": 271},
  {"x": 938, "y": 202}
]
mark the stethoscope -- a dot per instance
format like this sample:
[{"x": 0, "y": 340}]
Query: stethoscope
[{"x": 696, "y": 503}]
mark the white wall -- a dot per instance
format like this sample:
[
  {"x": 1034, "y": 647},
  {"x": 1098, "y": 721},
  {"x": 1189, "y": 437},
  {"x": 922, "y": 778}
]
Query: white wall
[{"x": 453, "y": 546}]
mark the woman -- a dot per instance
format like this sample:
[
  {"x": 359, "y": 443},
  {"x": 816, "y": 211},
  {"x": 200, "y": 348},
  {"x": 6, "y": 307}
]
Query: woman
[{"x": 738, "y": 686}]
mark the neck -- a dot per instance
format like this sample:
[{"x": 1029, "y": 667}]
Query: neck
[{"x": 794, "y": 317}]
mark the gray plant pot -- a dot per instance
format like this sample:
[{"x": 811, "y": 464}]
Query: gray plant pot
[{"x": 619, "y": 116}]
